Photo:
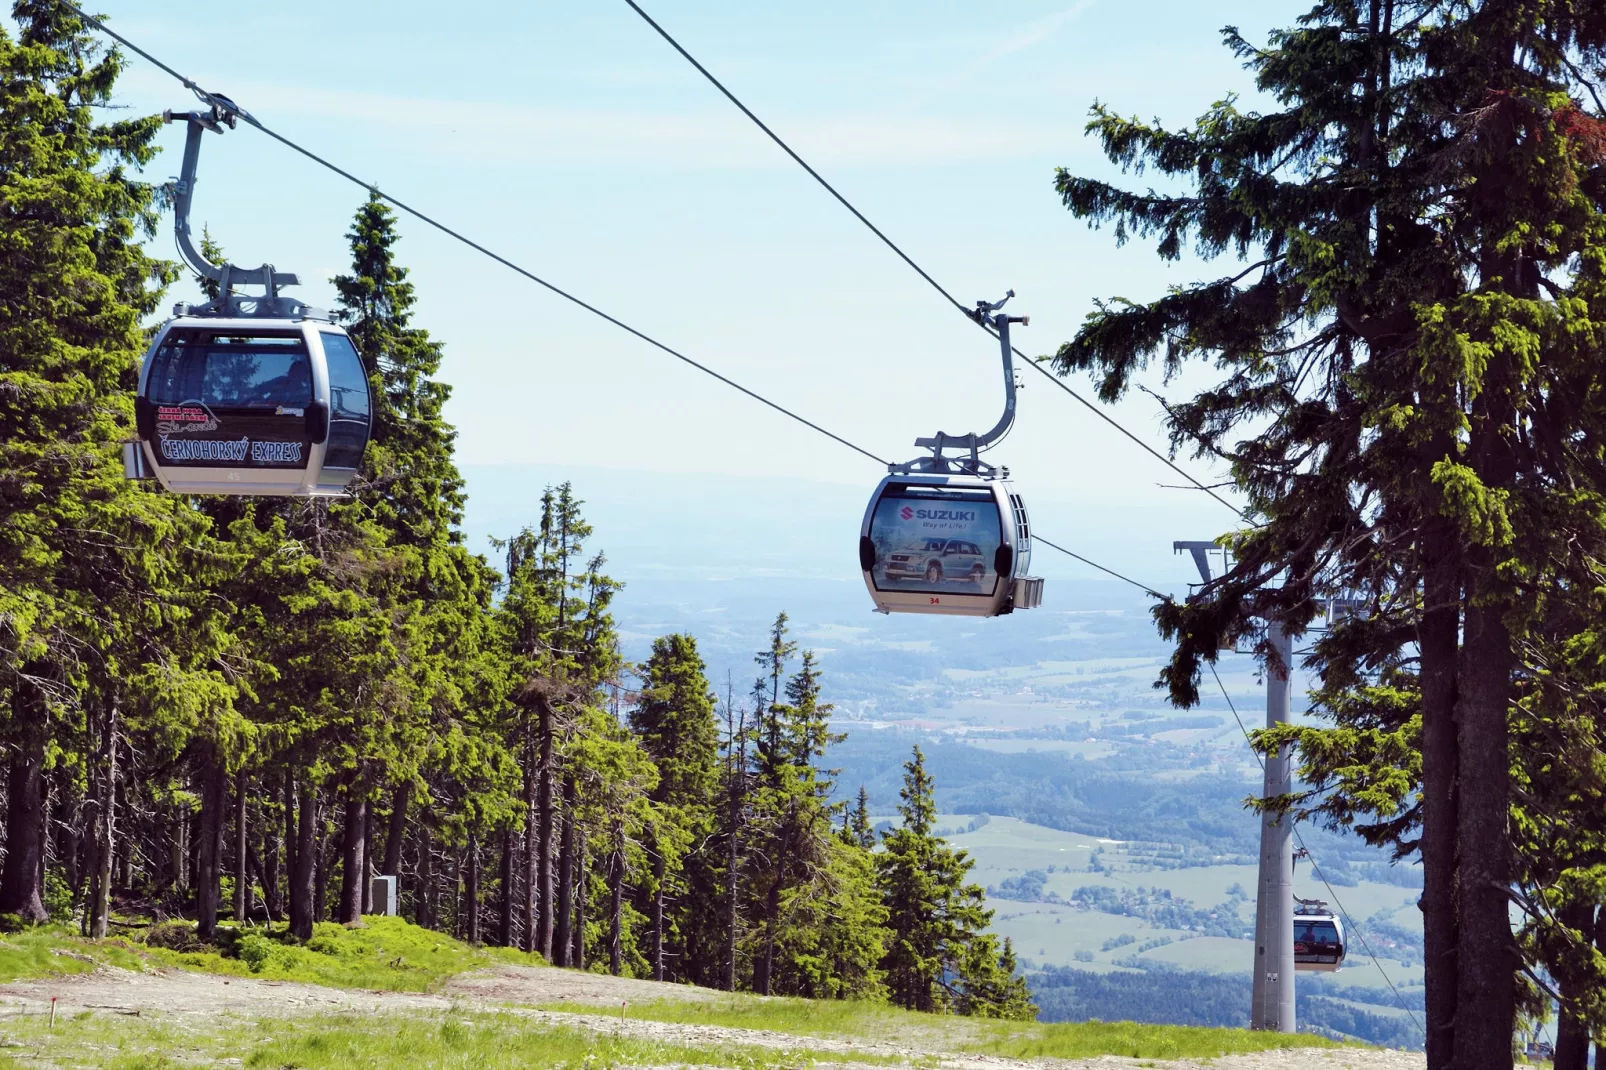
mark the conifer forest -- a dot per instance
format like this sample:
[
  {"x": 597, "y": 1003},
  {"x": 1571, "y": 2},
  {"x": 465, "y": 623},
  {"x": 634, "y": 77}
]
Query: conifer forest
[{"x": 232, "y": 709}]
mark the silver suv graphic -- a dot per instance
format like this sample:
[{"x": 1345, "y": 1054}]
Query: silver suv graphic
[{"x": 936, "y": 560}]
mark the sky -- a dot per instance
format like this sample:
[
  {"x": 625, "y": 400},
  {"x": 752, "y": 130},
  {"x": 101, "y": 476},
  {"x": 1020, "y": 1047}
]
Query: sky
[{"x": 571, "y": 139}]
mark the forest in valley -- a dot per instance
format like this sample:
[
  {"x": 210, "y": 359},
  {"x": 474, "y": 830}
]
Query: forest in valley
[{"x": 243, "y": 709}]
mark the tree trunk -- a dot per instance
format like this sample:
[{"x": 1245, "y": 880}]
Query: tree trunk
[
  {"x": 100, "y": 889},
  {"x": 562, "y": 940},
  {"x": 209, "y": 847},
  {"x": 532, "y": 938},
  {"x": 657, "y": 913},
  {"x": 130, "y": 846},
  {"x": 354, "y": 864},
  {"x": 1600, "y": 945},
  {"x": 578, "y": 958},
  {"x": 68, "y": 821},
  {"x": 46, "y": 797},
  {"x": 242, "y": 873},
  {"x": 1438, "y": 638},
  {"x": 1485, "y": 999},
  {"x": 426, "y": 879},
  {"x": 764, "y": 968},
  {"x": 268, "y": 872},
  {"x": 738, "y": 768},
  {"x": 320, "y": 871},
  {"x": 471, "y": 894},
  {"x": 181, "y": 854},
  {"x": 1488, "y": 957},
  {"x": 364, "y": 883},
  {"x": 303, "y": 908},
  {"x": 270, "y": 905},
  {"x": 504, "y": 919},
  {"x": 732, "y": 881},
  {"x": 397, "y": 832},
  {"x": 1572, "y": 1031},
  {"x": 616, "y": 905},
  {"x": 20, "y": 890},
  {"x": 288, "y": 836},
  {"x": 543, "y": 776}
]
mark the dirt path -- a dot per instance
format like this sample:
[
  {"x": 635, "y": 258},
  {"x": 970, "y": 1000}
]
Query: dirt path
[
  {"x": 173, "y": 992},
  {"x": 528, "y": 986}
]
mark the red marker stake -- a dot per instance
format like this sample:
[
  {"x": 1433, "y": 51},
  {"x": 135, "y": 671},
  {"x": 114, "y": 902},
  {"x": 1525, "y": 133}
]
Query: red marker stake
[{"x": 52, "y": 1012}]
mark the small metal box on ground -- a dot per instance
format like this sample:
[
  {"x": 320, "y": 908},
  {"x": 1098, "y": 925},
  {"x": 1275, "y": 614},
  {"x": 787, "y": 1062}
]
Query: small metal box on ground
[{"x": 385, "y": 896}]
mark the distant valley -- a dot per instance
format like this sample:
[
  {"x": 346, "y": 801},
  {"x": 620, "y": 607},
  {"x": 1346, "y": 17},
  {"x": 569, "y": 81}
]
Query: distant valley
[{"x": 1109, "y": 826}]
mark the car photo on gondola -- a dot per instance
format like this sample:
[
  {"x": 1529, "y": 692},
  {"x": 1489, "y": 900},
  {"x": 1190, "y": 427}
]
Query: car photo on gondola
[{"x": 937, "y": 561}]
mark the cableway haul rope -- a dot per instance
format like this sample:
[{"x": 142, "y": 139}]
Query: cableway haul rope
[
  {"x": 951, "y": 299},
  {"x": 225, "y": 106},
  {"x": 229, "y": 106},
  {"x": 1314, "y": 865},
  {"x": 922, "y": 272}
]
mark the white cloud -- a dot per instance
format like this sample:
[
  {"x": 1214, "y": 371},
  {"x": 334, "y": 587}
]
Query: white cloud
[{"x": 1032, "y": 34}]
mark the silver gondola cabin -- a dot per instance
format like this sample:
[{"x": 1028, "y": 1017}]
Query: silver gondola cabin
[
  {"x": 947, "y": 534},
  {"x": 1318, "y": 937},
  {"x": 246, "y": 395}
]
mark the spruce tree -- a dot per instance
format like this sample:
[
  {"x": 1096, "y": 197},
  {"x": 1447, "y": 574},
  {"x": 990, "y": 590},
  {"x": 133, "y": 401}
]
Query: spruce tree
[
  {"x": 410, "y": 495},
  {"x": 988, "y": 983},
  {"x": 933, "y": 915},
  {"x": 556, "y": 619},
  {"x": 857, "y": 828},
  {"x": 792, "y": 816},
  {"x": 92, "y": 592},
  {"x": 410, "y": 480},
  {"x": 675, "y": 722},
  {"x": 1407, "y": 401}
]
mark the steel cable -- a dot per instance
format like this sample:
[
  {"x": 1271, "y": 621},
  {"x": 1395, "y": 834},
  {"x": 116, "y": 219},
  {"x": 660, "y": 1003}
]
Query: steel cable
[
  {"x": 1316, "y": 866},
  {"x": 922, "y": 272},
  {"x": 232, "y": 108}
]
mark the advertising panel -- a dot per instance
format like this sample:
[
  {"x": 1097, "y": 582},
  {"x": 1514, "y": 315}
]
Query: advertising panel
[
  {"x": 238, "y": 402},
  {"x": 931, "y": 541}
]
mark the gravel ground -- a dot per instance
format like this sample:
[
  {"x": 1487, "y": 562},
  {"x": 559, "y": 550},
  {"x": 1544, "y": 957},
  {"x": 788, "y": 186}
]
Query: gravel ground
[{"x": 174, "y": 992}]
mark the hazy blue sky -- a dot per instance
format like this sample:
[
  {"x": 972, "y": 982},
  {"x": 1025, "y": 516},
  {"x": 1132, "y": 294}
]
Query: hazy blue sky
[{"x": 571, "y": 138}]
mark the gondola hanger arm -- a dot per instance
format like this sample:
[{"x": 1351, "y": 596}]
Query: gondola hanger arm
[
  {"x": 220, "y": 114},
  {"x": 988, "y": 314}
]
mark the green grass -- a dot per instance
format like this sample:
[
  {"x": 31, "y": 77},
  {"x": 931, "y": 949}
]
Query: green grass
[
  {"x": 1018, "y": 1040},
  {"x": 52, "y": 951},
  {"x": 387, "y": 954},
  {"x": 339, "y": 1042}
]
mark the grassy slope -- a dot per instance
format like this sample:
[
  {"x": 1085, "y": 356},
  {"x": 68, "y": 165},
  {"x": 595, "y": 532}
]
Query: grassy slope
[
  {"x": 388, "y": 954},
  {"x": 394, "y": 955},
  {"x": 338, "y": 1042},
  {"x": 1020, "y": 1040}
]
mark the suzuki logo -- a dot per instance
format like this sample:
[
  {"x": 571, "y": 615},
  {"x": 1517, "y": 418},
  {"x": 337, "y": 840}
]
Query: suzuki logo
[{"x": 906, "y": 513}]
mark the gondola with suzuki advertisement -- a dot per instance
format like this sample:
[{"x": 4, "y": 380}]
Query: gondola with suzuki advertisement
[{"x": 946, "y": 534}]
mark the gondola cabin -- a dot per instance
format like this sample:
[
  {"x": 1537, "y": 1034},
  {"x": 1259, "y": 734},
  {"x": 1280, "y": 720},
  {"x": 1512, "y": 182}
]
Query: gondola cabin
[
  {"x": 1318, "y": 942},
  {"x": 251, "y": 406},
  {"x": 957, "y": 545}
]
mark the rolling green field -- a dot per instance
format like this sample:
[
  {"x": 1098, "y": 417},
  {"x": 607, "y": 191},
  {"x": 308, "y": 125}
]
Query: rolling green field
[{"x": 1051, "y": 934}]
